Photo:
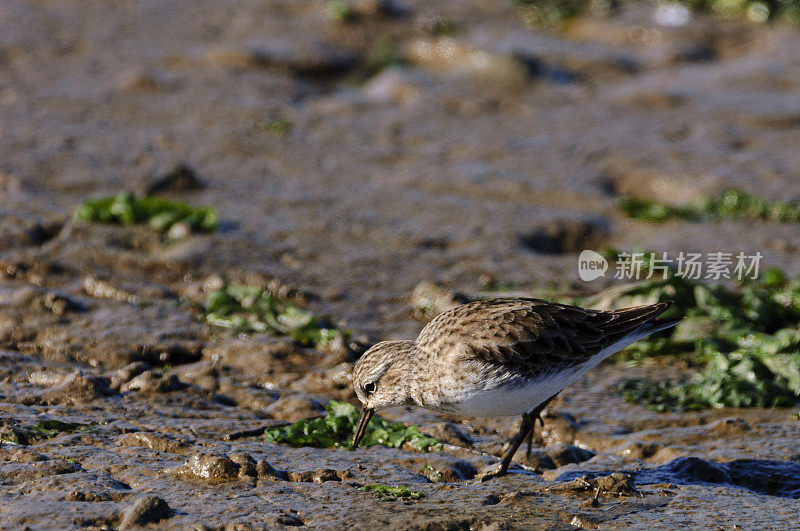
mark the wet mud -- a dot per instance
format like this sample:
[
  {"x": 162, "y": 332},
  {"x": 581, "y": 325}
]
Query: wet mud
[{"x": 481, "y": 161}]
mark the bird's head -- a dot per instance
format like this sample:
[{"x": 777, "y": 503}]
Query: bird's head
[{"x": 379, "y": 380}]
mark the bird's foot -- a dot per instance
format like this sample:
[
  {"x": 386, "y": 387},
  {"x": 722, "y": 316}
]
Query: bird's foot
[
  {"x": 493, "y": 475},
  {"x": 492, "y": 472}
]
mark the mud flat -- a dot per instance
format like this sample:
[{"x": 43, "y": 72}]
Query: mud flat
[{"x": 349, "y": 161}]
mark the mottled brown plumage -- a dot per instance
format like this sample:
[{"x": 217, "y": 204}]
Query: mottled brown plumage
[
  {"x": 504, "y": 356},
  {"x": 531, "y": 335}
]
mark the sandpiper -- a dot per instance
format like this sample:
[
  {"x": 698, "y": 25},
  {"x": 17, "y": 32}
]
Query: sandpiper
[{"x": 499, "y": 357}]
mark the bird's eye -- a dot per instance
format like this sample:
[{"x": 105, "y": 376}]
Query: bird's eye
[{"x": 369, "y": 387}]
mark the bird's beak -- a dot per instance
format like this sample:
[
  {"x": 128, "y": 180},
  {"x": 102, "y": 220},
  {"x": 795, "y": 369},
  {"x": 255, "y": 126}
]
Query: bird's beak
[{"x": 361, "y": 427}]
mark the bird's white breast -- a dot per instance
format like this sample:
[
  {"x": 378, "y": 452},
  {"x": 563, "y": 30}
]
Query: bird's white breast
[
  {"x": 511, "y": 399},
  {"x": 515, "y": 396}
]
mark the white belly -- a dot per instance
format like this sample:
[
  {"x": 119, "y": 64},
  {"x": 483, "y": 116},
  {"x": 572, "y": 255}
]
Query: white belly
[
  {"x": 510, "y": 399},
  {"x": 516, "y": 398}
]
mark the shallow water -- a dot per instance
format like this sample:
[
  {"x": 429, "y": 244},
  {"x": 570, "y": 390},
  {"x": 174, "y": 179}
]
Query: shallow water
[{"x": 439, "y": 171}]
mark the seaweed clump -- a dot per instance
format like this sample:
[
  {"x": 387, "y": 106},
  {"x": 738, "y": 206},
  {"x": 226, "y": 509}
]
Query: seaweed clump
[
  {"x": 744, "y": 342},
  {"x": 655, "y": 212},
  {"x": 731, "y": 205},
  {"x": 276, "y": 127},
  {"x": 553, "y": 13},
  {"x": 339, "y": 11},
  {"x": 253, "y": 309},
  {"x": 755, "y": 10},
  {"x": 556, "y": 13},
  {"x": 157, "y": 213},
  {"x": 386, "y": 493},
  {"x": 43, "y": 429},
  {"x": 337, "y": 427}
]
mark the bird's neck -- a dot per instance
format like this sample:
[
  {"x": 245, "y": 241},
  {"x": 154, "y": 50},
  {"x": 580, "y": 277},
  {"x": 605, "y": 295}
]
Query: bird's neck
[{"x": 423, "y": 377}]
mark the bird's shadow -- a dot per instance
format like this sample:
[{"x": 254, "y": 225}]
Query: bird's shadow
[{"x": 773, "y": 478}]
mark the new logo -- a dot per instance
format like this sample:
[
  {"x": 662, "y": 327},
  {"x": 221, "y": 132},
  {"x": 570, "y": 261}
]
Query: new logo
[{"x": 591, "y": 265}]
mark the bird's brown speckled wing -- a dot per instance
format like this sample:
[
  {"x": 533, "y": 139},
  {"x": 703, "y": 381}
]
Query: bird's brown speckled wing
[{"x": 532, "y": 335}]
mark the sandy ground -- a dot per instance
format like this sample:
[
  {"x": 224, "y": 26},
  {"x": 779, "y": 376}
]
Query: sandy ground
[{"x": 438, "y": 170}]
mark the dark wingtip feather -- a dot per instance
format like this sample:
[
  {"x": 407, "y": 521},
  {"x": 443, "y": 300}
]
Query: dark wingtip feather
[
  {"x": 661, "y": 324},
  {"x": 628, "y": 320},
  {"x": 660, "y": 307}
]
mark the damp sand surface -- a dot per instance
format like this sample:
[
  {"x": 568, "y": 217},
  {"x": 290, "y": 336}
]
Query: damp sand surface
[{"x": 488, "y": 156}]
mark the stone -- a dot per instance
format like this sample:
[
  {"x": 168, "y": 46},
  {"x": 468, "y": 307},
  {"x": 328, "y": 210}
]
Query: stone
[
  {"x": 439, "y": 468},
  {"x": 325, "y": 474},
  {"x": 79, "y": 387},
  {"x": 729, "y": 426},
  {"x": 127, "y": 373},
  {"x": 153, "y": 382},
  {"x": 181, "y": 178},
  {"x": 145, "y": 510},
  {"x": 266, "y": 471},
  {"x": 563, "y": 454},
  {"x": 640, "y": 450},
  {"x": 305, "y": 476},
  {"x": 247, "y": 465},
  {"x": 209, "y": 467},
  {"x": 150, "y": 440},
  {"x": 616, "y": 483}
]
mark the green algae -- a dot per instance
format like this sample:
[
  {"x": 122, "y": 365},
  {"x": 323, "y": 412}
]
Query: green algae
[
  {"x": 550, "y": 13},
  {"x": 744, "y": 342},
  {"x": 386, "y": 493},
  {"x": 276, "y": 127},
  {"x": 252, "y": 309},
  {"x": 26, "y": 434},
  {"x": 339, "y": 11},
  {"x": 432, "y": 474},
  {"x": 746, "y": 377},
  {"x": 556, "y": 13},
  {"x": 337, "y": 427},
  {"x": 654, "y": 212},
  {"x": 756, "y": 10},
  {"x": 160, "y": 214},
  {"x": 443, "y": 27},
  {"x": 731, "y": 205}
]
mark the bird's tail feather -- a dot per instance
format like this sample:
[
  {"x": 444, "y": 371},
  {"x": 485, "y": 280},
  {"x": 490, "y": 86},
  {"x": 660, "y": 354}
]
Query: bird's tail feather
[
  {"x": 656, "y": 325},
  {"x": 643, "y": 331}
]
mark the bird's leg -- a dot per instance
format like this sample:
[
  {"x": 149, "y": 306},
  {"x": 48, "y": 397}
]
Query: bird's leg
[
  {"x": 530, "y": 437},
  {"x": 516, "y": 442},
  {"x": 536, "y": 414}
]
